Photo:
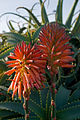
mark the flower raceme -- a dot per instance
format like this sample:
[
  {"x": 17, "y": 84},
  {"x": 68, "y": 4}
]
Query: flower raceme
[
  {"x": 28, "y": 65},
  {"x": 54, "y": 43}
]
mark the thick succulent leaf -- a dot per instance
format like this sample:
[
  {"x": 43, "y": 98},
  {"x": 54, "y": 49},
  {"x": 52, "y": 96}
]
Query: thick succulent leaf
[
  {"x": 6, "y": 113},
  {"x": 59, "y": 11},
  {"x": 35, "y": 104},
  {"x": 62, "y": 97},
  {"x": 71, "y": 113},
  {"x": 76, "y": 29},
  {"x": 29, "y": 37},
  {"x": 75, "y": 95},
  {"x": 12, "y": 106},
  {"x": 35, "y": 96},
  {"x": 36, "y": 108},
  {"x": 5, "y": 52},
  {"x": 69, "y": 19},
  {"x": 17, "y": 16},
  {"x": 39, "y": 103},
  {"x": 72, "y": 104},
  {"x": 14, "y": 38},
  {"x": 36, "y": 34},
  {"x": 43, "y": 13},
  {"x": 22, "y": 29},
  {"x": 31, "y": 14},
  {"x": 3, "y": 66},
  {"x": 10, "y": 26},
  {"x": 44, "y": 94},
  {"x": 16, "y": 118}
]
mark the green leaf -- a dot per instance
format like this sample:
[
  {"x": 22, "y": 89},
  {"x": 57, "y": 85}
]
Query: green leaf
[
  {"x": 59, "y": 11},
  {"x": 76, "y": 28},
  {"x": 12, "y": 106},
  {"x": 69, "y": 19},
  {"x": 35, "y": 96},
  {"x": 75, "y": 95},
  {"x": 29, "y": 37},
  {"x": 18, "y": 118},
  {"x": 39, "y": 103},
  {"x": 76, "y": 85},
  {"x": 6, "y": 113},
  {"x": 18, "y": 16},
  {"x": 43, "y": 13},
  {"x": 32, "y": 15},
  {"x": 36, "y": 34},
  {"x": 11, "y": 26},
  {"x": 62, "y": 97},
  {"x": 72, "y": 113},
  {"x": 36, "y": 108},
  {"x": 72, "y": 104},
  {"x": 22, "y": 29},
  {"x": 3, "y": 66},
  {"x": 14, "y": 38},
  {"x": 6, "y": 52}
]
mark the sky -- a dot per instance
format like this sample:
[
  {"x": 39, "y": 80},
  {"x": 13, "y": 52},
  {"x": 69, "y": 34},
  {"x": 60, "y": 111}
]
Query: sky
[{"x": 11, "y": 5}]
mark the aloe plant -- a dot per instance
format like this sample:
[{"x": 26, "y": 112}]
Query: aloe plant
[{"x": 68, "y": 85}]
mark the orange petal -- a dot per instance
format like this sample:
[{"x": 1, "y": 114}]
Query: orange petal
[
  {"x": 36, "y": 73},
  {"x": 68, "y": 66},
  {"x": 9, "y": 72},
  {"x": 11, "y": 86},
  {"x": 24, "y": 83},
  {"x": 67, "y": 59},
  {"x": 14, "y": 92},
  {"x": 10, "y": 62},
  {"x": 19, "y": 89},
  {"x": 13, "y": 65},
  {"x": 27, "y": 80},
  {"x": 16, "y": 79}
]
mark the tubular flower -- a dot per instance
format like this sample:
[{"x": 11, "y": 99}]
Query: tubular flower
[
  {"x": 54, "y": 43},
  {"x": 28, "y": 65}
]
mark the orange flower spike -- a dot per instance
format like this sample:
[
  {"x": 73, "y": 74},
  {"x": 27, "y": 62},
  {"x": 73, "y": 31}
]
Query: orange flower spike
[
  {"x": 25, "y": 61},
  {"x": 53, "y": 41}
]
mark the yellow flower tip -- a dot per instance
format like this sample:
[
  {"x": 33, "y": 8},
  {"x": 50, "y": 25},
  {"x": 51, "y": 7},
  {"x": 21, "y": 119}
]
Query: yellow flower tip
[{"x": 19, "y": 97}]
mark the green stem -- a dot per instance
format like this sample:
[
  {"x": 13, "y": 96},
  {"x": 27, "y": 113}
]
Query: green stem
[
  {"x": 53, "y": 99},
  {"x": 26, "y": 109}
]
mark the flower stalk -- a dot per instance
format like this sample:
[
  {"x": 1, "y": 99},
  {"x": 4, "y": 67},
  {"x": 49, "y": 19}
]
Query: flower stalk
[
  {"x": 53, "y": 99},
  {"x": 25, "y": 106}
]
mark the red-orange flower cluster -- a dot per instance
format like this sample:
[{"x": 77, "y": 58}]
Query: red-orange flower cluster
[
  {"x": 54, "y": 43},
  {"x": 29, "y": 65}
]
